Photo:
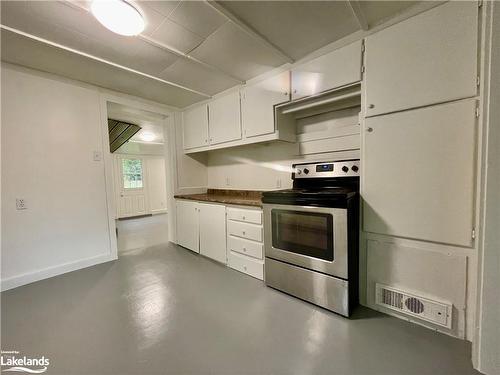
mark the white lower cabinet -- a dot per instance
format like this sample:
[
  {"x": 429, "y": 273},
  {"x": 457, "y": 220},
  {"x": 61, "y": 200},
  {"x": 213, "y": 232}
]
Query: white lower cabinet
[
  {"x": 244, "y": 241},
  {"x": 245, "y": 247},
  {"x": 229, "y": 235},
  {"x": 201, "y": 227},
  {"x": 250, "y": 266},
  {"x": 245, "y": 230},
  {"x": 188, "y": 224},
  {"x": 213, "y": 231}
]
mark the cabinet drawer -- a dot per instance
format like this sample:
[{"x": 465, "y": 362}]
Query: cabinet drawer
[
  {"x": 252, "y": 267},
  {"x": 250, "y": 231},
  {"x": 248, "y": 216},
  {"x": 245, "y": 247}
]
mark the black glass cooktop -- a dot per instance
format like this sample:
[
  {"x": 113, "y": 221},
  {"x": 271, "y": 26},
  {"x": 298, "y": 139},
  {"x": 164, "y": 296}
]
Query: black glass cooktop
[{"x": 328, "y": 197}]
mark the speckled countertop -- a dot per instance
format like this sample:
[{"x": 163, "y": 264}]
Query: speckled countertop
[{"x": 236, "y": 197}]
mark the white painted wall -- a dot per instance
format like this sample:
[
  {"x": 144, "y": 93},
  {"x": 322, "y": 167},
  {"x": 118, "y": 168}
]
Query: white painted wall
[
  {"x": 156, "y": 184},
  {"x": 261, "y": 166},
  {"x": 50, "y": 130}
]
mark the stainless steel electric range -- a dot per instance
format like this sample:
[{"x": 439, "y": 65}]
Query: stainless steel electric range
[{"x": 311, "y": 235}]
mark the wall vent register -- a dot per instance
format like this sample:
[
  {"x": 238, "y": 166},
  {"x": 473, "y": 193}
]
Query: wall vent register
[{"x": 439, "y": 313}]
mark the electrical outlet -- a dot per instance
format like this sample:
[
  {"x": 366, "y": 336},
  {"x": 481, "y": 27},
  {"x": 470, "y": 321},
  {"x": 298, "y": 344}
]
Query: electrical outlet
[
  {"x": 278, "y": 183},
  {"x": 228, "y": 182},
  {"x": 97, "y": 156},
  {"x": 21, "y": 204}
]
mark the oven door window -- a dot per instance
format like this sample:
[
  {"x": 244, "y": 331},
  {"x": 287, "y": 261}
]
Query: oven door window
[{"x": 305, "y": 233}]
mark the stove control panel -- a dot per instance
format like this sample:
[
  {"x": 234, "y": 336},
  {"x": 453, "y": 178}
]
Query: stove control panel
[{"x": 343, "y": 168}]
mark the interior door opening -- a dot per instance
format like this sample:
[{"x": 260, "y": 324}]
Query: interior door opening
[{"x": 138, "y": 154}]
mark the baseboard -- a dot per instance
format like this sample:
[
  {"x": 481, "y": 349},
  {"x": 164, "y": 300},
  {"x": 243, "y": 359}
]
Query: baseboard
[
  {"x": 28, "y": 278},
  {"x": 159, "y": 211}
]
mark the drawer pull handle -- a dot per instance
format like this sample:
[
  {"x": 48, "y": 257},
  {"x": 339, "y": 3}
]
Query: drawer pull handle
[
  {"x": 245, "y": 249},
  {"x": 245, "y": 268},
  {"x": 243, "y": 232},
  {"x": 243, "y": 217}
]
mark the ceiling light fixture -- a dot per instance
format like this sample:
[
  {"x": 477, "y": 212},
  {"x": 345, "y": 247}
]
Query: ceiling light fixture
[
  {"x": 147, "y": 137},
  {"x": 118, "y": 16}
]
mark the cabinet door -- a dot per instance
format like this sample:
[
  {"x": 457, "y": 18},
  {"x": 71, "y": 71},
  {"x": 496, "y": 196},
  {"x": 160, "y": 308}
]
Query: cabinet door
[
  {"x": 258, "y": 101},
  {"x": 188, "y": 224},
  {"x": 213, "y": 231},
  {"x": 225, "y": 119},
  {"x": 427, "y": 59},
  {"x": 335, "y": 69},
  {"x": 419, "y": 169},
  {"x": 195, "y": 127}
]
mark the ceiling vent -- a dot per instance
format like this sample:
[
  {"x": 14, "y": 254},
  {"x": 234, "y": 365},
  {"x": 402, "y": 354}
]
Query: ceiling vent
[
  {"x": 119, "y": 133},
  {"x": 439, "y": 313}
]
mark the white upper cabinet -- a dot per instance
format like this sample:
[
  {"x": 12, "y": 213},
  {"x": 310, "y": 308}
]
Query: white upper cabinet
[
  {"x": 213, "y": 231},
  {"x": 419, "y": 173},
  {"x": 427, "y": 59},
  {"x": 257, "y": 104},
  {"x": 335, "y": 69},
  {"x": 187, "y": 224},
  {"x": 225, "y": 118},
  {"x": 195, "y": 127}
]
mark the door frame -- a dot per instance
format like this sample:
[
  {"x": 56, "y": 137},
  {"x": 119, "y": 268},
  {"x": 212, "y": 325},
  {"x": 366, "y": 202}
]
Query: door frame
[{"x": 109, "y": 166}]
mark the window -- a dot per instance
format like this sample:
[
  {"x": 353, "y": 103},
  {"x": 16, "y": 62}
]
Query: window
[{"x": 132, "y": 173}]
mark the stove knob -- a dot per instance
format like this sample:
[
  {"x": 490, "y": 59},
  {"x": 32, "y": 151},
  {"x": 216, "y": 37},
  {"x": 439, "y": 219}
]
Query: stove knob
[
  {"x": 306, "y": 171},
  {"x": 345, "y": 169},
  {"x": 299, "y": 171},
  {"x": 354, "y": 168}
]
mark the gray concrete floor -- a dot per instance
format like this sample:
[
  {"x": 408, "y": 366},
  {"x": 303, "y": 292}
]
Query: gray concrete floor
[
  {"x": 142, "y": 232},
  {"x": 166, "y": 310}
]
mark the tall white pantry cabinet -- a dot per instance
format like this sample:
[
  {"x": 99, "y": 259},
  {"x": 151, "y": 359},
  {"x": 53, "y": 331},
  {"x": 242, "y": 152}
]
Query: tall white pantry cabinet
[{"x": 419, "y": 155}]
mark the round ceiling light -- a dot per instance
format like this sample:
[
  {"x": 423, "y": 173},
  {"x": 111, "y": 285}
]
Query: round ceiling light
[
  {"x": 118, "y": 16},
  {"x": 147, "y": 137}
]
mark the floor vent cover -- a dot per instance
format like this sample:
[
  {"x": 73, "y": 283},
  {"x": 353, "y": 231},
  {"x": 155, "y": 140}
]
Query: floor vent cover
[{"x": 432, "y": 311}]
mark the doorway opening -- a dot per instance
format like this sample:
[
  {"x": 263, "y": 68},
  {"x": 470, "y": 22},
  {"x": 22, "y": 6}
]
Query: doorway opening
[{"x": 140, "y": 190}]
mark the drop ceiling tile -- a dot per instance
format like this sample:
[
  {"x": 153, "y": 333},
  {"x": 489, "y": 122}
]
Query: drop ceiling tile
[
  {"x": 131, "y": 52},
  {"x": 197, "y": 17},
  {"x": 198, "y": 77},
  {"x": 174, "y": 35},
  {"x": 151, "y": 59},
  {"x": 162, "y": 7},
  {"x": 379, "y": 11},
  {"x": 296, "y": 27},
  {"x": 152, "y": 18},
  {"x": 235, "y": 52},
  {"x": 20, "y": 50}
]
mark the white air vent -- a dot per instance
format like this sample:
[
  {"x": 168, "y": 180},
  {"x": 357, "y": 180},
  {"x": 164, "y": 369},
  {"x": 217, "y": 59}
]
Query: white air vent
[{"x": 409, "y": 304}]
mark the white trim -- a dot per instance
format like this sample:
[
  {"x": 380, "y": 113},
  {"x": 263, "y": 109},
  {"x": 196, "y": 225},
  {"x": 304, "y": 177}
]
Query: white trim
[
  {"x": 159, "y": 211},
  {"x": 27, "y": 278},
  {"x": 108, "y": 177},
  {"x": 171, "y": 174},
  {"x": 169, "y": 154}
]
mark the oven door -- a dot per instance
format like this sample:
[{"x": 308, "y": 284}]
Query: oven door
[{"x": 311, "y": 237}]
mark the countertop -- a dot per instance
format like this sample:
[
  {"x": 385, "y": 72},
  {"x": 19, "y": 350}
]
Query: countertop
[{"x": 236, "y": 197}]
